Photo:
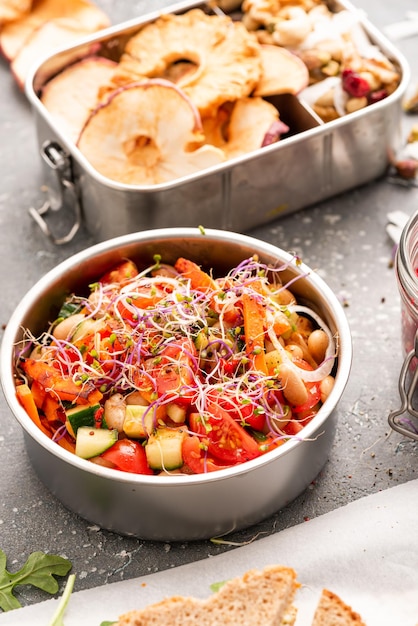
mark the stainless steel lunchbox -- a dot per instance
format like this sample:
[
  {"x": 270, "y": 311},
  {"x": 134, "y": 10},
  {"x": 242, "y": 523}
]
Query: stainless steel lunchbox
[{"x": 318, "y": 160}]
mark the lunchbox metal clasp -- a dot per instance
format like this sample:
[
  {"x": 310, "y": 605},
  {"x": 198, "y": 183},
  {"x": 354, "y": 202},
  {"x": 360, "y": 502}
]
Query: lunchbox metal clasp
[
  {"x": 397, "y": 419},
  {"x": 61, "y": 191}
]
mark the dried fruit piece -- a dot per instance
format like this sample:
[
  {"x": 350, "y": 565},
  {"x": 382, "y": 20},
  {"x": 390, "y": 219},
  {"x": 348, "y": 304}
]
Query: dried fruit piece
[
  {"x": 11, "y": 10},
  {"x": 274, "y": 133},
  {"x": 86, "y": 16},
  {"x": 144, "y": 135},
  {"x": 223, "y": 58},
  {"x": 73, "y": 93},
  {"x": 407, "y": 168},
  {"x": 377, "y": 96},
  {"x": 242, "y": 127},
  {"x": 282, "y": 72},
  {"x": 354, "y": 84}
]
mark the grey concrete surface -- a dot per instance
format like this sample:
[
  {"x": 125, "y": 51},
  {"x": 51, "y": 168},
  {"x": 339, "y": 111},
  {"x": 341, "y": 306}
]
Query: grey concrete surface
[{"x": 344, "y": 239}]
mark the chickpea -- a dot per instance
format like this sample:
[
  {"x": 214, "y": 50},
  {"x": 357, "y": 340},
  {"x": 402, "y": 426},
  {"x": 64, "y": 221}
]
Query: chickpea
[
  {"x": 326, "y": 386},
  {"x": 293, "y": 386},
  {"x": 66, "y": 328},
  {"x": 317, "y": 344}
]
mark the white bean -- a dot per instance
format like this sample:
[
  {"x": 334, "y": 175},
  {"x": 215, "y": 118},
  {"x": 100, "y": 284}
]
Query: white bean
[
  {"x": 326, "y": 386},
  {"x": 294, "y": 388},
  {"x": 66, "y": 328},
  {"x": 294, "y": 350},
  {"x": 114, "y": 412},
  {"x": 317, "y": 344}
]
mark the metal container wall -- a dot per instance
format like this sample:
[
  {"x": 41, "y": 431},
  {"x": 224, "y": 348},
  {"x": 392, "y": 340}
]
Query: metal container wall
[
  {"x": 177, "y": 507},
  {"x": 244, "y": 192}
]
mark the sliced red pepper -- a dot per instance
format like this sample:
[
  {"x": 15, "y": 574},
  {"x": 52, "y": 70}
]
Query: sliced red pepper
[
  {"x": 199, "y": 280},
  {"x": 64, "y": 388},
  {"x": 254, "y": 327}
]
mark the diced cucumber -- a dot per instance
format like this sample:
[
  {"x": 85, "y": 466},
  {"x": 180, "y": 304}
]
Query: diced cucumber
[
  {"x": 81, "y": 416},
  {"x": 93, "y": 441},
  {"x": 176, "y": 413},
  {"x": 138, "y": 423},
  {"x": 163, "y": 449}
]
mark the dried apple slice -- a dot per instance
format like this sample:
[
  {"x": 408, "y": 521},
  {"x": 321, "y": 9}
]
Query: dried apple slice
[
  {"x": 144, "y": 133},
  {"x": 223, "y": 57},
  {"x": 85, "y": 14},
  {"x": 49, "y": 37},
  {"x": 11, "y": 10},
  {"x": 244, "y": 129},
  {"x": 72, "y": 94},
  {"x": 282, "y": 72}
]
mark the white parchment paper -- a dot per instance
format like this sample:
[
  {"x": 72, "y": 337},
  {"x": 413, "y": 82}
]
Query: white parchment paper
[{"x": 367, "y": 552}]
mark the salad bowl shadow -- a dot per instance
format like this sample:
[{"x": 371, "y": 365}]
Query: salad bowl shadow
[{"x": 177, "y": 507}]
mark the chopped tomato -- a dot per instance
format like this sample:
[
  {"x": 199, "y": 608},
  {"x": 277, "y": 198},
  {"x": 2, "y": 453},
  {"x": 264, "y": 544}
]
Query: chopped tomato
[
  {"x": 293, "y": 427},
  {"x": 196, "y": 457},
  {"x": 128, "y": 456},
  {"x": 244, "y": 414},
  {"x": 174, "y": 371},
  {"x": 228, "y": 441}
]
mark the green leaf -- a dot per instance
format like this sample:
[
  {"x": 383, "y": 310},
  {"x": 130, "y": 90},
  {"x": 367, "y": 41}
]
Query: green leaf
[{"x": 39, "y": 571}]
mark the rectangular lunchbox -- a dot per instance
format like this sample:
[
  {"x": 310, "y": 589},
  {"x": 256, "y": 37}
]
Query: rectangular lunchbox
[{"x": 314, "y": 161}]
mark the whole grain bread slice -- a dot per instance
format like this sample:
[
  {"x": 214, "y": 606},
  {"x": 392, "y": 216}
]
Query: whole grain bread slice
[
  {"x": 332, "y": 611},
  {"x": 258, "y": 598}
]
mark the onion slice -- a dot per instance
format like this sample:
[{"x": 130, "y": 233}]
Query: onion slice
[{"x": 327, "y": 364}]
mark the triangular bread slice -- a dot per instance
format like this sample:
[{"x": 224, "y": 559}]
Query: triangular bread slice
[
  {"x": 259, "y": 598},
  {"x": 332, "y": 611}
]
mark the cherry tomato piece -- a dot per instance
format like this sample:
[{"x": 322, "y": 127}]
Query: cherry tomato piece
[
  {"x": 228, "y": 441},
  {"x": 174, "y": 371},
  {"x": 196, "y": 457},
  {"x": 128, "y": 456},
  {"x": 244, "y": 414}
]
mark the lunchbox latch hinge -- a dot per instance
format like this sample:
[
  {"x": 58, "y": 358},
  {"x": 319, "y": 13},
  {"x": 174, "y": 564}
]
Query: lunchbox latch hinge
[{"x": 61, "y": 191}]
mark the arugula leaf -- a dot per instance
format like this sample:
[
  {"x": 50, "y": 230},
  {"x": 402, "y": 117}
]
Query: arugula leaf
[{"x": 39, "y": 571}]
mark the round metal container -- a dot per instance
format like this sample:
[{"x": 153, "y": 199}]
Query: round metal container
[{"x": 172, "y": 508}]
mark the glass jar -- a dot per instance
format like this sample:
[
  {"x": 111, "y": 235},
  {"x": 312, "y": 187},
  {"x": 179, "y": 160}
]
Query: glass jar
[
  {"x": 406, "y": 266},
  {"x": 405, "y": 419}
]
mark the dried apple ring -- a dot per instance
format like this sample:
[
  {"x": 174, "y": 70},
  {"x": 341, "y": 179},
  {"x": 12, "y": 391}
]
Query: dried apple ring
[
  {"x": 144, "y": 134},
  {"x": 223, "y": 58}
]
